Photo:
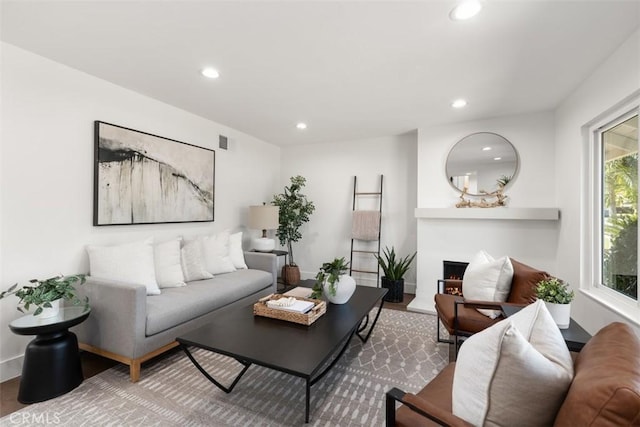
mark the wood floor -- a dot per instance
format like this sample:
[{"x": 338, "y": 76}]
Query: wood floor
[{"x": 93, "y": 365}]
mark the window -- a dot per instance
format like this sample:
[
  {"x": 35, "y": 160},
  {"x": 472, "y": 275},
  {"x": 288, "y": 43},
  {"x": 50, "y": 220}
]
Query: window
[
  {"x": 617, "y": 166},
  {"x": 619, "y": 200}
]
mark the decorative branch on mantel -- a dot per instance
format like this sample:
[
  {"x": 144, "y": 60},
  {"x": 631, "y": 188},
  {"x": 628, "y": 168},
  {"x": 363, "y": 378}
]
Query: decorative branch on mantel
[{"x": 498, "y": 194}]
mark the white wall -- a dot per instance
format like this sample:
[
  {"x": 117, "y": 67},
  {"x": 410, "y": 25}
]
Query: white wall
[
  {"x": 616, "y": 79},
  {"x": 329, "y": 169},
  {"x": 46, "y": 173},
  {"x": 532, "y": 242}
]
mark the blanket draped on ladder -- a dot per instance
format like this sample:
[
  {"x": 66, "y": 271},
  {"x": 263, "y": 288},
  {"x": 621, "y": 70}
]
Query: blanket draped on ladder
[{"x": 366, "y": 225}]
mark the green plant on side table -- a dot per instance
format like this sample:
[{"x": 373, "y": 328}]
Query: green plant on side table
[
  {"x": 394, "y": 269},
  {"x": 333, "y": 281},
  {"x": 42, "y": 293},
  {"x": 557, "y": 297}
]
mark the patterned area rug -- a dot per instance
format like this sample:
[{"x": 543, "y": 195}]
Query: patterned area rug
[{"x": 402, "y": 352}]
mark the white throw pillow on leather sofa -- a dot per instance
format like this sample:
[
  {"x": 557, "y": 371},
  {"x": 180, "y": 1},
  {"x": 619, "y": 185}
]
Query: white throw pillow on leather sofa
[
  {"x": 487, "y": 279},
  {"x": 514, "y": 373}
]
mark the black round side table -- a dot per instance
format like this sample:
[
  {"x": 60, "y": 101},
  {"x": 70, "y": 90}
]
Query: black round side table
[{"x": 51, "y": 361}]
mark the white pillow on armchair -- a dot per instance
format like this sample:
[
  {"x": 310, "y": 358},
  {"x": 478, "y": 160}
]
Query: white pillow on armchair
[
  {"x": 487, "y": 279},
  {"x": 514, "y": 373}
]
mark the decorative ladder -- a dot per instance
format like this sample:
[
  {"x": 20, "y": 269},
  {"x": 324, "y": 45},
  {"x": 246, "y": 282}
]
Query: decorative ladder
[{"x": 356, "y": 195}]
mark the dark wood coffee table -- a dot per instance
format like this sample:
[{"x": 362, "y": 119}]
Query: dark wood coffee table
[{"x": 303, "y": 351}]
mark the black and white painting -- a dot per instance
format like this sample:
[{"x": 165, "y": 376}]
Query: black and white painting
[{"x": 144, "y": 179}]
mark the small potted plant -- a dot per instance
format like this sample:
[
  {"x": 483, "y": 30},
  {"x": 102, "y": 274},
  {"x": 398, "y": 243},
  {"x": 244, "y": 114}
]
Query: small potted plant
[
  {"x": 45, "y": 295},
  {"x": 503, "y": 181},
  {"x": 557, "y": 297},
  {"x": 293, "y": 212},
  {"x": 394, "y": 270},
  {"x": 333, "y": 281}
]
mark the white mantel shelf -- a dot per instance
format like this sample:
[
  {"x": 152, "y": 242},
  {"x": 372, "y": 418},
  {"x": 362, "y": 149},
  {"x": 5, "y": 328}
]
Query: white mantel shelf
[{"x": 530, "y": 214}]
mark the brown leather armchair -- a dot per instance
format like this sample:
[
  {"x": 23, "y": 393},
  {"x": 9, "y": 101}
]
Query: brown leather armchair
[
  {"x": 461, "y": 318},
  {"x": 605, "y": 390}
]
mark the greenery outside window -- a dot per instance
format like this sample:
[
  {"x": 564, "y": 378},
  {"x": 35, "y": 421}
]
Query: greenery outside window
[{"x": 617, "y": 207}]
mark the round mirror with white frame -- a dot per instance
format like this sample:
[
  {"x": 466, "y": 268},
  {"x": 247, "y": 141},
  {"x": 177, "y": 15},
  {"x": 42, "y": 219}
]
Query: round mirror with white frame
[{"x": 482, "y": 163}]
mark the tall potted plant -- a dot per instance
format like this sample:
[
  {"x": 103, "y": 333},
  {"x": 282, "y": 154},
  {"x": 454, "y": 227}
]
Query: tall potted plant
[
  {"x": 394, "y": 269},
  {"x": 294, "y": 211},
  {"x": 557, "y": 297}
]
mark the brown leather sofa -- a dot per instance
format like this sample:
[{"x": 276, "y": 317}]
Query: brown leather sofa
[
  {"x": 460, "y": 317},
  {"x": 605, "y": 390}
]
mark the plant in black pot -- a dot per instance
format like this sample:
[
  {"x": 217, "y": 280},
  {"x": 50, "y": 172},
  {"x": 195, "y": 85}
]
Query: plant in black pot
[
  {"x": 394, "y": 269},
  {"x": 45, "y": 295},
  {"x": 294, "y": 212}
]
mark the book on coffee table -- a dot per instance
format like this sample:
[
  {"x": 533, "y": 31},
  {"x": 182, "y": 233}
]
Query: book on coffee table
[
  {"x": 300, "y": 292},
  {"x": 299, "y": 306}
]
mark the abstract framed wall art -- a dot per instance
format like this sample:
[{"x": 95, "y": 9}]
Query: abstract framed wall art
[{"x": 140, "y": 178}]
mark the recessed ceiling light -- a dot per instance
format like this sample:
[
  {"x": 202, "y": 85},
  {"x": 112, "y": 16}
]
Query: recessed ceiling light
[
  {"x": 486, "y": 148},
  {"x": 459, "y": 103},
  {"x": 497, "y": 158},
  {"x": 211, "y": 73},
  {"x": 465, "y": 9},
  {"x": 301, "y": 125}
]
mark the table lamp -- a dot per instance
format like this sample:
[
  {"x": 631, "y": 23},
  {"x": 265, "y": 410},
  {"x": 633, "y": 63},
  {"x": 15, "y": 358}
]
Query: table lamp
[{"x": 263, "y": 218}]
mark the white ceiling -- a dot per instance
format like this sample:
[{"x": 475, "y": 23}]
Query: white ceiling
[{"x": 350, "y": 70}]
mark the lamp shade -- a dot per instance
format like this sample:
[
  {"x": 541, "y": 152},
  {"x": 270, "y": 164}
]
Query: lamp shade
[{"x": 263, "y": 217}]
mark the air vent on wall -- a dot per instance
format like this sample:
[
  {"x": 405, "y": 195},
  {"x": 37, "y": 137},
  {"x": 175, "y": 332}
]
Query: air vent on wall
[{"x": 223, "y": 142}]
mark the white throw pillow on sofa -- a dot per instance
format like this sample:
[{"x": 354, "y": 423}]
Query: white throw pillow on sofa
[
  {"x": 192, "y": 262},
  {"x": 129, "y": 262},
  {"x": 517, "y": 372},
  {"x": 166, "y": 257},
  {"x": 215, "y": 253},
  {"x": 235, "y": 251},
  {"x": 487, "y": 279}
]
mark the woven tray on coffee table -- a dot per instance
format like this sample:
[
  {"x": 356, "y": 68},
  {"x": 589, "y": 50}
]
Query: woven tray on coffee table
[{"x": 261, "y": 309}]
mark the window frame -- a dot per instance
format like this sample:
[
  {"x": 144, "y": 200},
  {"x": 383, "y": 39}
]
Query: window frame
[{"x": 592, "y": 286}]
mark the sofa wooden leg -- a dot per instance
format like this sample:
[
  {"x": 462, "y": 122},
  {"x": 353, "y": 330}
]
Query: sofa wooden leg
[
  {"x": 134, "y": 370},
  {"x": 134, "y": 364}
]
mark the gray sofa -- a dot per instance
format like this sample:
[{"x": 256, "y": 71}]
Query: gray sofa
[{"x": 130, "y": 327}]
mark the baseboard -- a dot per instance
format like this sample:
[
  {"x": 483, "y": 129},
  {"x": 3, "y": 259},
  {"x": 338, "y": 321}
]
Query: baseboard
[
  {"x": 11, "y": 368},
  {"x": 365, "y": 281},
  {"x": 307, "y": 275}
]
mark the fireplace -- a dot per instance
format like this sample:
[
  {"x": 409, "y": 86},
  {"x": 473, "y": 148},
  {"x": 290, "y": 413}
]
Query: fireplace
[
  {"x": 453, "y": 269},
  {"x": 458, "y": 234},
  {"x": 452, "y": 272}
]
